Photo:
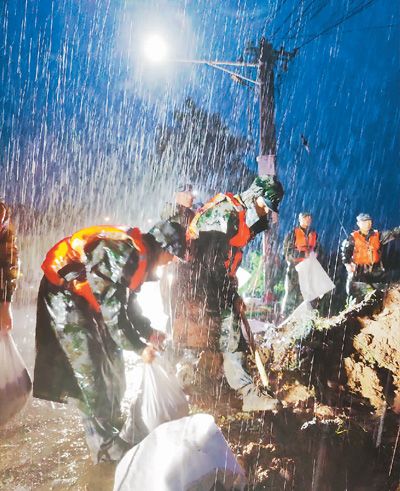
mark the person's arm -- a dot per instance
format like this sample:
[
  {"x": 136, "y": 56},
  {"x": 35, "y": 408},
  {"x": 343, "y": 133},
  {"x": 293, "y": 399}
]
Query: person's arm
[
  {"x": 137, "y": 330},
  {"x": 10, "y": 269},
  {"x": 261, "y": 225},
  {"x": 112, "y": 263},
  {"x": 388, "y": 235},
  {"x": 289, "y": 250},
  {"x": 9, "y": 272},
  {"x": 318, "y": 249},
  {"x": 347, "y": 250},
  {"x": 142, "y": 324}
]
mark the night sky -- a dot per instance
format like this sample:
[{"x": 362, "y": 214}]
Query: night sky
[{"x": 79, "y": 106}]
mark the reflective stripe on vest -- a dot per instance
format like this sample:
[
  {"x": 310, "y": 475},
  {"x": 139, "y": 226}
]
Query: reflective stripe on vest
[
  {"x": 304, "y": 243},
  {"x": 366, "y": 251},
  {"x": 138, "y": 276},
  {"x": 243, "y": 234},
  {"x": 71, "y": 249},
  {"x": 233, "y": 262}
]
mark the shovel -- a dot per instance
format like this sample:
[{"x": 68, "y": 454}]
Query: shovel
[{"x": 253, "y": 348}]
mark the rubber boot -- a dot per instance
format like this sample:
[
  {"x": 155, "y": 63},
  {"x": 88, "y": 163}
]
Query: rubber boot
[
  {"x": 240, "y": 380},
  {"x": 254, "y": 401}
]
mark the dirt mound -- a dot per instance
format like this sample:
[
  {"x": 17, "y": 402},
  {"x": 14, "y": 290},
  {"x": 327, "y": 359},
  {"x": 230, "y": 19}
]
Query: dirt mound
[{"x": 338, "y": 380}]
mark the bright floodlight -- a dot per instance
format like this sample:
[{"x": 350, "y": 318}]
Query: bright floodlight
[{"x": 155, "y": 48}]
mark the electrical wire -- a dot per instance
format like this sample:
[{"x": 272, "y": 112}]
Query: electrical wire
[
  {"x": 286, "y": 19},
  {"x": 273, "y": 14},
  {"x": 355, "y": 11},
  {"x": 299, "y": 18},
  {"x": 367, "y": 28}
]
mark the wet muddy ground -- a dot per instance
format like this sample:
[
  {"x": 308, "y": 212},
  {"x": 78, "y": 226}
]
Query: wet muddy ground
[
  {"x": 44, "y": 448},
  {"x": 311, "y": 447}
]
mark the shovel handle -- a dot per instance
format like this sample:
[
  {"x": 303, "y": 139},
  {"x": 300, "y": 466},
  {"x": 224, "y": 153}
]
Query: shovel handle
[
  {"x": 248, "y": 333},
  {"x": 254, "y": 350}
]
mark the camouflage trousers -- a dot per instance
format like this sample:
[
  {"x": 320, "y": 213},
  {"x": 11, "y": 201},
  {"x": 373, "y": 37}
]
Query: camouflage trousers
[
  {"x": 203, "y": 368},
  {"x": 292, "y": 298},
  {"x": 79, "y": 357}
]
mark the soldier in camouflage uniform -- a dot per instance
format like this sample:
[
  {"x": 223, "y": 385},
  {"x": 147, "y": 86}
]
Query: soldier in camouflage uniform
[
  {"x": 84, "y": 321},
  {"x": 218, "y": 233},
  {"x": 9, "y": 267}
]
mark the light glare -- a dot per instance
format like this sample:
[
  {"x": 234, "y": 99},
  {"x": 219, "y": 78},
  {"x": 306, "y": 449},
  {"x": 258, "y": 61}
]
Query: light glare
[{"x": 155, "y": 49}]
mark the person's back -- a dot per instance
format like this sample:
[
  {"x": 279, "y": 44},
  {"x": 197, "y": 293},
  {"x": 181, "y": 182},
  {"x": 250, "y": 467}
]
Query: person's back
[
  {"x": 86, "y": 317},
  {"x": 217, "y": 235}
]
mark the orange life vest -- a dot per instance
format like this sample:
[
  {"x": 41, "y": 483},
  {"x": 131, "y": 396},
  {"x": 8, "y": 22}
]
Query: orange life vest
[
  {"x": 366, "y": 251},
  {"x": 239, "y": 240},
  {"x": 71, "y": 249},
  {"x": 304, "y": 243}
]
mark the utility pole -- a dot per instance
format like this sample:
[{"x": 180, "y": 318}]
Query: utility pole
[
  {"x": 265, "y": 58},
  {"x": 268, "y": 57}
]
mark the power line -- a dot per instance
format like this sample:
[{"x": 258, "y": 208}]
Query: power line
[
  {"x": 274, "y": 13},
  {"x": 354, "y": 12},
  {"x": 318, "y": 10},
  {"x": 286, "y": 18},
  {"x": 299, "y": 17},
  {"x": 366, "y": 28}
]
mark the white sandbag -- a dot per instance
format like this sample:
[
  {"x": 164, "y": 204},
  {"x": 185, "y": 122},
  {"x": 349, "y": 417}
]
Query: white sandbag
[
  {"x": 190, "y": 454},
  {"x": 303, "y": 313},
  {"x": 15, "y": 382},
  {"x": 313, "y": 280},
  {"x": 258, "y": 326},
  {"x": 160, "y": 399}
]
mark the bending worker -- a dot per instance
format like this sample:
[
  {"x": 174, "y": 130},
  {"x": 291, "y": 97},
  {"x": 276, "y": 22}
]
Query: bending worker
[{"x": 84, "y": 321}]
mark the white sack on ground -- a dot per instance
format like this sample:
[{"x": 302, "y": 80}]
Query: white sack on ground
[
  {"x": 304, "y": 312},
  {"x": 313, "y": 280},
  {"x": 160, "y": 399},
  {"x": 15, "y": 383},
  {"x": 258, "y": 326},
  {"x": 190, "y": 454}
]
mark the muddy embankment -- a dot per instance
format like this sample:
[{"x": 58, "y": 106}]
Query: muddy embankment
[
  {"x": 339, "y": 383},
  {"x": 338, "y": 428}
]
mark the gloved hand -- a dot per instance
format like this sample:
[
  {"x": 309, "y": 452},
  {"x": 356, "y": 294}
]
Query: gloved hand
[
  {"x": 350, "y": 267},
  {"x": 149, "y": 354},
  {"x": 6, "y": 320},
  {"x": 157, "y": 339}
]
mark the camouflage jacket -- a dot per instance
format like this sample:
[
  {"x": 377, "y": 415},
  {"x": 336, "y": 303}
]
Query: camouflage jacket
[
  {"x": 9, "y": 263},
  {"x": 215, "y": 227}
]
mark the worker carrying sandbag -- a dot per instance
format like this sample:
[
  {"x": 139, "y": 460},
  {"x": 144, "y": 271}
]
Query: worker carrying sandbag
[
  {"x": 84, "y": 321},
  {"x": 15, "y": 383},
  {"x": 299, "y": 243},
  {"x": 207, "y": 325}
]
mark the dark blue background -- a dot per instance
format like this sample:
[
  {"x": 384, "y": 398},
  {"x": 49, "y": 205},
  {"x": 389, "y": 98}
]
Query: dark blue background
[{"x": 79, "y": 108}]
